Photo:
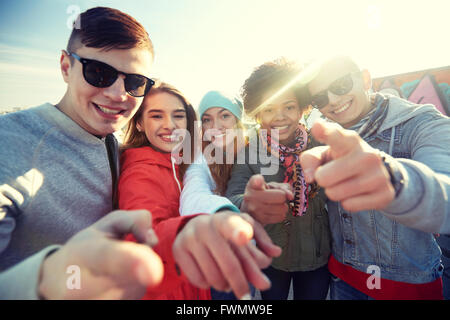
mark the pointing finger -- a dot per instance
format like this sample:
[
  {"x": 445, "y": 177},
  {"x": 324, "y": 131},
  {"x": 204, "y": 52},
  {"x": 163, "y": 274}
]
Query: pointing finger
[
  {"x": 312, "y": 159},
  {"x": 282, "y": 186},
  {"x": 233, "y": 227},
  {"x": 119, "y": 223},
  {"x": 341, "y": 141},
  {"x": 256, "y": 182}
]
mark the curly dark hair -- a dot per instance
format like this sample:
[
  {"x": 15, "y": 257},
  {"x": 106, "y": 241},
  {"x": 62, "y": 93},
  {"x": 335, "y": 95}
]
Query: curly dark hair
[{"x": 271, "y": 76}]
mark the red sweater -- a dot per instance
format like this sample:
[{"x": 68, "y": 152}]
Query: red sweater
[{"x": 149, "y": 181}]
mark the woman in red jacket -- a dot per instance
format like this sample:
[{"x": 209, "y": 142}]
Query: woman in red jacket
[
  {"x": 210, "y": 250},
  {"x": 149, "y": 177}
]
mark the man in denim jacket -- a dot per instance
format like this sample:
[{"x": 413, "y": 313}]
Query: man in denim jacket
[{"x": 387, "y": 180}]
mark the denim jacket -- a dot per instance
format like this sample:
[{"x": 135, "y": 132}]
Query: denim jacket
[{"x": 399, "y": 239}]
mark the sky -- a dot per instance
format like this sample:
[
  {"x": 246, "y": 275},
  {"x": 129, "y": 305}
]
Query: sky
[{"x": 203, "y": 45}]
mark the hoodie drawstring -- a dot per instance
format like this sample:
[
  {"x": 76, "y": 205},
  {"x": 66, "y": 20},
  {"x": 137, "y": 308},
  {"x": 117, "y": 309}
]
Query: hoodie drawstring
[
  {"x": 391, "y": 143},
  {"x": 175, "y": 173}
]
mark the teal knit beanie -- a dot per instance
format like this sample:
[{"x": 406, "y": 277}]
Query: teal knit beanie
[{"x": 219, "y": 99}]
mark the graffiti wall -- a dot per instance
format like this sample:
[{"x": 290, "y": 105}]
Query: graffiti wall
[{"x": 426, "y": 86}]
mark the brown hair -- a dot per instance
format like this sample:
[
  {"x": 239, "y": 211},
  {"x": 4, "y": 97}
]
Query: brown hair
[
  {"x": 271, "y": 76},
  {"x": 108, "y": 28},
  {"x": 136, "y": 139},
  {"x": 221, "y": 173}
]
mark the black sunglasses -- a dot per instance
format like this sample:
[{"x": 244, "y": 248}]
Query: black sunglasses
[
  {"x": 102, "y": 75},
  {"x": 339, "y": 87}
]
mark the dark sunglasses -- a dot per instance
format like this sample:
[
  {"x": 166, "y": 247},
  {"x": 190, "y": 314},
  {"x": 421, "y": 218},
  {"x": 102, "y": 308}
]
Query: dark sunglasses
[
  {"x": 339, "y": 87},
  {"x": 102, "y": 75}
]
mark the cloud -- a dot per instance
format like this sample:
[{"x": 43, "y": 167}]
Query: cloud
[
  {"x": 27, "y": 70},
  {"x": 8, "y": 52},
  {"x": 28, "y": 77}
]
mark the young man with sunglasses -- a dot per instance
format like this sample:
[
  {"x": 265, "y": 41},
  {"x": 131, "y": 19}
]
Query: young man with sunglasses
[
  {"x": 386, "y": 175},
  {"x": 57, "y": 184}
]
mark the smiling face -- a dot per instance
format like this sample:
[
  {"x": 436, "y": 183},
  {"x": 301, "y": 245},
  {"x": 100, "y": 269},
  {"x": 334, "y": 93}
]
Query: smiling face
[
  {"x": 101, "y": 111},
  {"x": 215, "y": 123},
  {"x": 347, "y": 109},
  {"x": 283, "y": 114},
  {"x": 162, "y": 114}
]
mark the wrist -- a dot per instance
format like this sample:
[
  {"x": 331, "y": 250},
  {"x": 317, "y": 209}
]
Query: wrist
[
  {"x": 244, "y": 207},
  {"x": 44, "y": 286},
  {"x": 395, "y": 175},
  {"x": 186, "y": 219}
]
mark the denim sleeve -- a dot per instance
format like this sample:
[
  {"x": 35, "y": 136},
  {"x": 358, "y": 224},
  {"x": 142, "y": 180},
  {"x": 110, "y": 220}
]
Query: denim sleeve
[{"x": 424, "y": 203}]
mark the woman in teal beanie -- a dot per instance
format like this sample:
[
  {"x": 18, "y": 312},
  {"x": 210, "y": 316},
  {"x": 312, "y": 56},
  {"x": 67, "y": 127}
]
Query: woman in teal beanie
[
  {"x": 205, "y": 181},
  {"x": 222, "y": 130}
]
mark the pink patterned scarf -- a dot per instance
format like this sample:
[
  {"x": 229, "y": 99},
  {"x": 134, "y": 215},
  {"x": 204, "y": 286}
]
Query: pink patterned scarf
[{"x": 289, "y": 158}]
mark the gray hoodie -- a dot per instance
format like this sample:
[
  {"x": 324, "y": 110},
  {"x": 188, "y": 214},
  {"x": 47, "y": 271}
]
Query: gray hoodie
[{"x": 55, "y": 180}]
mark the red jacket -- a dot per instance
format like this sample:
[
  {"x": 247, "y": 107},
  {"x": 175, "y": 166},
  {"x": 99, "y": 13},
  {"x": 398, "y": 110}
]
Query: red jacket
[{"x": 149, "y": 180}]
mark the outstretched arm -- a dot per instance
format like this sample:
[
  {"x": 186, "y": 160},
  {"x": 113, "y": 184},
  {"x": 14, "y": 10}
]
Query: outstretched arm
[
  {"x": 197, "y": 194},
  {"x": 356, "y": 174},
  {"x": 265, "y": 202},
  {"x": 209, "y": 252},
  {"x": 109, "y": 268}
]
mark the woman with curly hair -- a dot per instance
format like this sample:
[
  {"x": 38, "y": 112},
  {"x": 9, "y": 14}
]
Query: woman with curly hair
[{"x": 292, "y": 211}]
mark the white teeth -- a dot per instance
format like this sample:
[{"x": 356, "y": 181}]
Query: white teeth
[
  {"x": 281, "y": 128},
  {"x": 171, "y": 137},
  {"x": 108, "y": 111},
  {"x": 343, "y": 108}
]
